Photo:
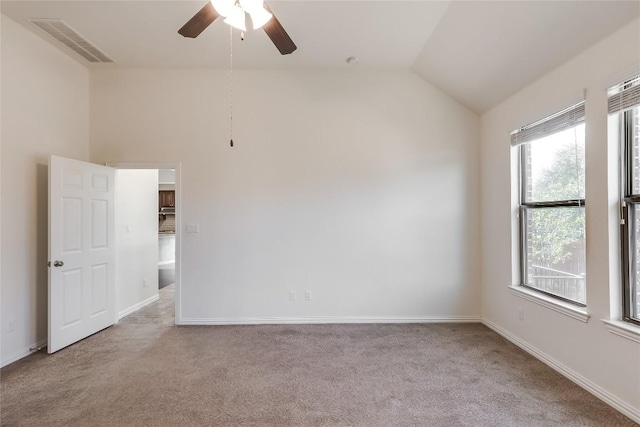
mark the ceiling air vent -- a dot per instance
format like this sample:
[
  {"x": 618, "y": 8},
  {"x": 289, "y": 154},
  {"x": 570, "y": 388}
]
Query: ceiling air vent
[{"x": 70, "y": 38}]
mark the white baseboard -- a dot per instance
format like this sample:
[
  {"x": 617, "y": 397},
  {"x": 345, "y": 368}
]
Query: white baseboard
[
  {"x": 583, "y": 382},
  {"x": 24, "y": 353},
  {"x": 324, "y": 320},
  {"x": 138, "y": 306}
]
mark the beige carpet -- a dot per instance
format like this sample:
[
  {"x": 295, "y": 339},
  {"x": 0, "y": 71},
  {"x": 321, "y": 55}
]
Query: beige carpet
[{"x": 302, "y": 375}]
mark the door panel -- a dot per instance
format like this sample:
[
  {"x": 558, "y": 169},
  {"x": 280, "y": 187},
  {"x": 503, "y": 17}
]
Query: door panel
[
  {"x": 72, "y": 296},
  {"x": 99, "y": 226},
  {"x": 72, "y": 225},
  {"x": 100, "y": 182},
  {"x": 81, "y": 250},
  {"x": 99, "y": 290}
]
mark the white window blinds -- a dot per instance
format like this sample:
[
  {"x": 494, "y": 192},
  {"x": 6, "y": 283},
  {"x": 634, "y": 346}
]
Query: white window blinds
[
  {"x": 624, "y": 96},
  {"x": 563, "y": 120}
]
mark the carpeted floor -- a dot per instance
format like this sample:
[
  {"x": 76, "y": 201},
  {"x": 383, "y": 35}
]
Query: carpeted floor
[{"x": 295, "y": 375}]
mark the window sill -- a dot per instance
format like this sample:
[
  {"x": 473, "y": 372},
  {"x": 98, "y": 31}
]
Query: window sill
[
  {"x": 623, "y": 329},
  {"x": 561, "y": 307}
]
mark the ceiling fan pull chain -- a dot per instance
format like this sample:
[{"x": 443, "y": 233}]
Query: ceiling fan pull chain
[{"x": 231, "y": 85}]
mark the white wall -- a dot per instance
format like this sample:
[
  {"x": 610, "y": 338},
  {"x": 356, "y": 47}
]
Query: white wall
[
  {"x": 360, "y": 187},
  {"x": 607, "y": 363},
  {"x": 136, "y": 238},
  {"x": 45, "y": 110}
]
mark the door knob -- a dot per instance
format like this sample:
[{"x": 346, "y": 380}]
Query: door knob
[{"x": 58, "y": 263}]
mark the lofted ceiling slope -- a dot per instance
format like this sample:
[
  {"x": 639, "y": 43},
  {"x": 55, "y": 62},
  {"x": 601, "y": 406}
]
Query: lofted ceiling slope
[{"x": 484, "y": 51}]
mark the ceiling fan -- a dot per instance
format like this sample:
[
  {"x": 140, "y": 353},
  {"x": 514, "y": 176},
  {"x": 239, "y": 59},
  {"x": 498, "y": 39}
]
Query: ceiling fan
[{"x": 234, "y": 12}]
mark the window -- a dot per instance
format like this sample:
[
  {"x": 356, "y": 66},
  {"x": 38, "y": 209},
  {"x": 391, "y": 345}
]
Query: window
[
  {"x": 551, "y": 205},
  {"x": 624, "y": 102}
]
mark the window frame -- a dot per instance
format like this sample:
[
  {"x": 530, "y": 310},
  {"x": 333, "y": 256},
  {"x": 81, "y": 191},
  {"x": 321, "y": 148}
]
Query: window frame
[
  {"x": 627, "y": 201},
  {"x": 524, "y": 206}
]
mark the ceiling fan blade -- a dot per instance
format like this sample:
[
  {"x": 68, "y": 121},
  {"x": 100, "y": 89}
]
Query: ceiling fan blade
[
  {"x": 278, "y": 35},
  {"x": 199, "y": 22}
]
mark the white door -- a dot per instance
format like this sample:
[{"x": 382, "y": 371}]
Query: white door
[{"x": 81, "y": 250}]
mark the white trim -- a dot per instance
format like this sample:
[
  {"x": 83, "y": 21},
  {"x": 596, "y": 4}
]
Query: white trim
[
  {"x": 138, "y": 306},
  {"x": 623, "y": 329},
  {"x": 24, "y": 353},
  {"x": 577, "y": 378},
  {"x": 554, "y": 304},
  {"x": 324, "y": 320},
  {"x": 143, "y": 165}
]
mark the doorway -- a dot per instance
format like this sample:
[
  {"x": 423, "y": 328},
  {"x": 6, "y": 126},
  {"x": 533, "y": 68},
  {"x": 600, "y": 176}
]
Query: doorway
[
  {"x": 166, "y": 227},
  {"x": 147, "y": 243}
]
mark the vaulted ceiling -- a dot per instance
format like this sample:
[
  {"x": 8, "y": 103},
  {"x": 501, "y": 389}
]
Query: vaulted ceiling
[
  {"x": 479, "y": 52},
  {"x": 482, "y": 52}
]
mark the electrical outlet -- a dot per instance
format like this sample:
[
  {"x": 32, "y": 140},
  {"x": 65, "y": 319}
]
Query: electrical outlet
[
  {"x": 144, "y": 283},
  {"x": 292, "y": 296},
  {"x": 520, "y": 313},
  {"x": 307, "y": 295},
  {"x": 11, "y": 326}
]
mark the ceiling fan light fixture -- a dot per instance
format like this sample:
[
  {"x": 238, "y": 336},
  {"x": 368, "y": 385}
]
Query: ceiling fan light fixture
[
  {"x": 251, "y": 5},
  {"x": 237, "y": 19},
  {"x": 259, "y": 17},
  {"x": 223, "y": 7}
]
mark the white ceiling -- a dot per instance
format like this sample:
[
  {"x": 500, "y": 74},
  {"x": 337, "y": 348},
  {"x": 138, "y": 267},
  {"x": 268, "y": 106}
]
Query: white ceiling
[
  {"x": 144, "y": 34},
  {"x": 482, "y": 52},
  {"x": 479, "y": 52}
]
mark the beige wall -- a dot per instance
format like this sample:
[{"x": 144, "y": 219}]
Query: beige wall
[
  {"x": 45, "y": 110},
  {"x": 607, "y": 364},
  {"x": 360, "y": 187}
]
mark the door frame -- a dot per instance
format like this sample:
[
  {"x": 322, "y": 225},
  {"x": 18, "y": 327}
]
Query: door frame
[{"x": 178, "y": 202}]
